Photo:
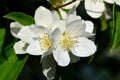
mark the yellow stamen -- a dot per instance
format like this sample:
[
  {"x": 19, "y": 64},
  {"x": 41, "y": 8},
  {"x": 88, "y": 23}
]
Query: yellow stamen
[
  {"x": 46, "y": 42},
  {"x": 68, "y": 41}
]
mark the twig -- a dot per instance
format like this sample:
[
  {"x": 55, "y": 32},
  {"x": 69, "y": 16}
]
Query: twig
[{"x": 63, "y": 5}]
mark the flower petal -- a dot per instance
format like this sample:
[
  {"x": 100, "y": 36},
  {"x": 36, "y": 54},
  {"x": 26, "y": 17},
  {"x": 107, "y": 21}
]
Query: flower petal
[
  {"x": 20, "y": 47},
  {"x": 87, "y": 34},
  {"x": 61, "y": 56},
  {"x": 89, "y": 29},
  {"x": 34, "y": 48},
  {"x": 117, "y": 2},
  {"x": 77, "y": 2},
  {"x": 48, "y": 67},
  {"x": 59, "y": 24},
  {"x": 89, "y": 26},
  {"x": 84, "y": 47},
  {"x": 39, "y": 30},
  {"x": 57, "y": 34},
  {"x": 43, "y": 17},
  {"x": 56, "y": 16},
  {"x": 109, "y": 1},
  {"x": 94, "y": 7},
  {"x": 76, "y": 28},
  {"x": 72, "y": 18},
  {"x": 72, "y": 11},
  {"x": 14, "y": 28},
  {"x": 25, "y": 34}
]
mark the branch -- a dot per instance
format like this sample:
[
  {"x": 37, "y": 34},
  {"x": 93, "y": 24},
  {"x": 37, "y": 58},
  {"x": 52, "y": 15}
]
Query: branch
[{"x": 63, "y": 5}]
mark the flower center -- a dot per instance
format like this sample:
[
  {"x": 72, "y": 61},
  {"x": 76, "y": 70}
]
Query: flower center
[
  {"x": 45, "y": 42},
  {"x": 68, "y": 41}
]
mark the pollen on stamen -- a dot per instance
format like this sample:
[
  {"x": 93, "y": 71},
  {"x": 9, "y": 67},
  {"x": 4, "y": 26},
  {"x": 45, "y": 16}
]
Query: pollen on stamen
[
  {"x": 45, "y": 42},
  {"x": 68, "y": 41}
]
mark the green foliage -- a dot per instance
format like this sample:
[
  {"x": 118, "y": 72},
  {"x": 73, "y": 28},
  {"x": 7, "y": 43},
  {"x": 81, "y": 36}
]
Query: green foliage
[
  {"x": 21, "y": 18},
  {"x": 2, "y": 34},
  {"x": 116, "y": 38},
  {"x": 11, "y": 65}
]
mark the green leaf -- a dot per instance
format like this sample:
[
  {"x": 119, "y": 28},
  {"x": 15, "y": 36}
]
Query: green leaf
[
  {"x": 21, "y": 18},
  {"x": 116, "y": 38},
  {"x": 2, "y": 34},
  {"x": 11, "y": 65}
]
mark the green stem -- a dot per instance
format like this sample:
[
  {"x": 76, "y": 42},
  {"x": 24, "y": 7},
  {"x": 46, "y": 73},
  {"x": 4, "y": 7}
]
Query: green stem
[
  {"x": 114, "y": 25},
  {"x": 113, "y": 21},
  {"x": 60, "y": 78},
  {"x": 60, "y": 15},
  {"x": 91, "y": 59}
]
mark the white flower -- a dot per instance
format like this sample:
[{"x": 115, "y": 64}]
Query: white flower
[
  {"x": 46, "y": 18},
  {"x": 72, "y": 38},
  {"x": 43, "y": 17},
  {"x": 20, "y": 46},
  {"x": 48, "y": 32},
  {"x": 72, "y": 16},
  {"x": 35, "y": 39},
  {"x": 48, "y": 63},
  {"x": 95, "y": 8},
  {"x": 39, "y": 39},
  {"x": 117, "y": 2}
]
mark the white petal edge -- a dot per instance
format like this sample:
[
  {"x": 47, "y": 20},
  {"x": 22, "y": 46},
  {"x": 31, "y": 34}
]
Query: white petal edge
[
  {"x": 57, "y": 35},
  {"x": 89, "y": 29},
  {"x": 94, "y": 14},
  {"x": 117, "y": 2},
  {"x": 89, "y": 26},
  {"x": 34, "y": 48},
  {"x": 39, "y": 30},
  {"x": 94, "y": 8},
  {"x": 25, "y": 34},
  {"x": 61, "y": 56},
  {"x": 84, "y": 48},
  {"x": 56, "y": 16},
  {"x": 43, "y": 17},
  {"x": 87, "y": 35},
  {"x": 71, "y": 18},
  {"x": 20, "y": 47},
  {"x": 59, "y": 24},
  {"x": 76, "y": 28},
  {"x": 72, "y": 11},
  {"x": 109, "y": 1},
  {"x": 15, "y": 28}
]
